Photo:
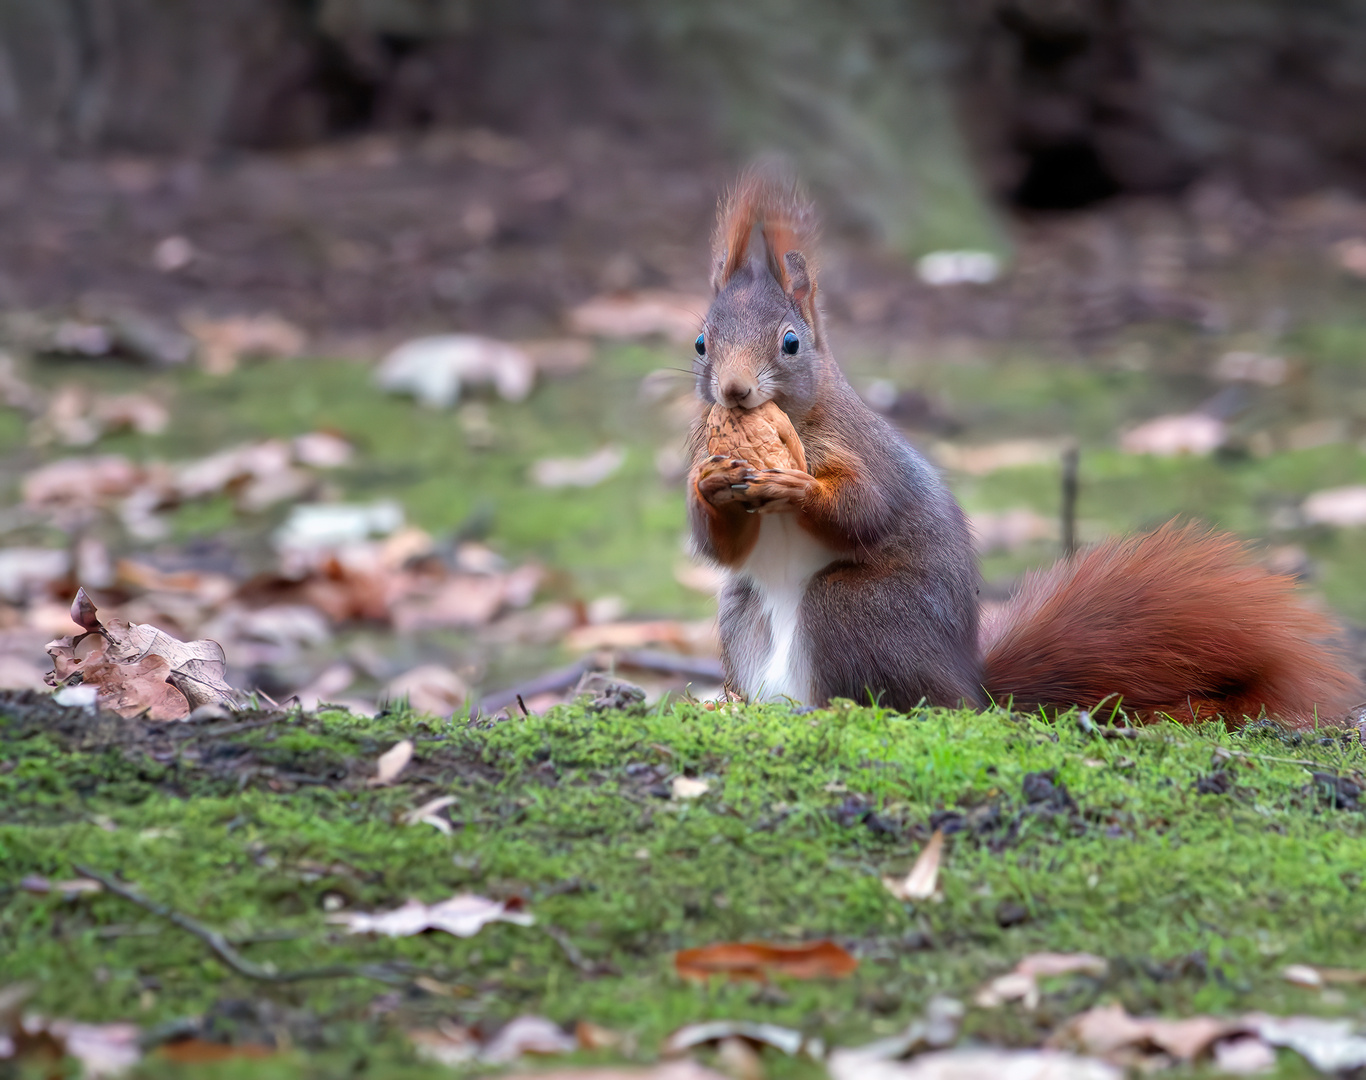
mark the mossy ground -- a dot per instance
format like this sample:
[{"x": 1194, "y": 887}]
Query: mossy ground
[{"x": 1197, "y": 900}]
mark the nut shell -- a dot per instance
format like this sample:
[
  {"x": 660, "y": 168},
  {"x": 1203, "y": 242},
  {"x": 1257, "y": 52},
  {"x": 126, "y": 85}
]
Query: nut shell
[{"x": 764, "y": 437}]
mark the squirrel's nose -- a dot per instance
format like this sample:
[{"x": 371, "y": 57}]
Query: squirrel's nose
[{"x": 735, "y": 392}]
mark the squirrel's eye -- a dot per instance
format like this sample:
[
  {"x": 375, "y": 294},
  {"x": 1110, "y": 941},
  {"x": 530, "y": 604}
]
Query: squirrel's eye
[
  {"x": 791, "y": 343},
  {"x": 700, "y": 345}
]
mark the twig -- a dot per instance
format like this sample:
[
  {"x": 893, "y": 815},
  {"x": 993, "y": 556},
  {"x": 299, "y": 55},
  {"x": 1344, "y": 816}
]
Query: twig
[
  {"x": 230, "y": 957},
  {"x": 663, "y": 663},
  {"x": 551, "y": 682},
  {"x": 1070, "y": 458},
  {"x": 591, "y": 968}
]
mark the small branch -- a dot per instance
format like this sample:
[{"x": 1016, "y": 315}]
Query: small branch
[
  {"x": 1070, "y": 458},
  {"x": 590, "y": 968},
  {"x": 230, "y": 957}
]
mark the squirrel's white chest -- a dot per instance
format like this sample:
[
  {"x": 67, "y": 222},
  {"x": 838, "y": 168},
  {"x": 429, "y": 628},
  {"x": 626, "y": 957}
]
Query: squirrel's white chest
[{"x": 776, "y": 665}]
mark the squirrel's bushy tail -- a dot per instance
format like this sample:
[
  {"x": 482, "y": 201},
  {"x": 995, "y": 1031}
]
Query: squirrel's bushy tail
[{"x": 1178, "y": 622}]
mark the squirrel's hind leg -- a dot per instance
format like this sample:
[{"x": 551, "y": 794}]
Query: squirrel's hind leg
[{"x": 882, "y": 635}]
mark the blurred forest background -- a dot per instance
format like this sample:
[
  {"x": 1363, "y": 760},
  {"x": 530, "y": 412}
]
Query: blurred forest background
[{"x": 1136, "y": 225}]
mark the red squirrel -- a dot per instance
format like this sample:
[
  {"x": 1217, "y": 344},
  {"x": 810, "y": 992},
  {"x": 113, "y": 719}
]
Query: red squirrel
[{"x": 858, "y": 578}]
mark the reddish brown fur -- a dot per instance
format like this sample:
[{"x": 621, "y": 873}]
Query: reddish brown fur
[
  {"x": 788, "y": 224},
  {"x": 1178, "y": 622}
]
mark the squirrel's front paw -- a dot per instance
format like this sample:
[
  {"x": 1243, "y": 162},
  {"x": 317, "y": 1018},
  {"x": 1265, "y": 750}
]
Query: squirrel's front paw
[
  {"x": 722, "y": 480},
  {"x": 778, "y": 491}
]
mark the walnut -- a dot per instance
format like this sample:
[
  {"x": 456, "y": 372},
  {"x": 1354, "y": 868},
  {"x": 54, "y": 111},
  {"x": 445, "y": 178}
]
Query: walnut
[{"x": 764, "y": 437}]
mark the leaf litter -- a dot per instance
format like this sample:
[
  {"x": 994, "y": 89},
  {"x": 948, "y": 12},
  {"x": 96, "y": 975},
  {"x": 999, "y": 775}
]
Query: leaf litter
[{"x": 463, "y": 915}]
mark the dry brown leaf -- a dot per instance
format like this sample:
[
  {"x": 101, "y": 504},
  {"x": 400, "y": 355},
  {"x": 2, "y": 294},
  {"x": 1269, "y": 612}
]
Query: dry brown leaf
[
  {"x": 690, "y": 1036},
  {"x": 646, "y": 313},
  {"x": 1021, "y": 984},
  {"x": 668, "y": 1070},
  {"x": 985, "y": 1064},
  {"x": 1243, "y": 1055},
  {"x": 592, "y": 1036},
  {"x": 1343, "y": 507},
  {"x": 82, "y": 482},
  {"x": 103, "y": 1050},
  {"x": 527, "y": 1035},
  {"x": 36, "y": 883},
  {"x": 739, "y": 1060},
  {"x": 435, "y": 370},
  {"x": 426, "y": 814},
  {"x": 137, "y": 668},
  {"x": 923, "y": 879},
  {"x": 201, "y": 1052},
  {"x": 759, "y": 960},
  {"x": 589, "y": 471},
  {"x": 224, "y": 342},
  {"x": 430, "y": 688},
  {"x": 392, "y": 762},
  {"x": 1172, "y": 436},
  {"x": 685, "y": 787},
  {"x": 463, "y": 915},
  {"x": 1331, "y": 1046},
  {"x": 1322, "y": 975},
  {"x": 1107, "y": 1030},
  {"x": 449, "y": 1044}
]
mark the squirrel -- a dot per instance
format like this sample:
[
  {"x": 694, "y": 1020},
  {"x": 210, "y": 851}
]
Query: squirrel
[{"x": 857, "y": 578}]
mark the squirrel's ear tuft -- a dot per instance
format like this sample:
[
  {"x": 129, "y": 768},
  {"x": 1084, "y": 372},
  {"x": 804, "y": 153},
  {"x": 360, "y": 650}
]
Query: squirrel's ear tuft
[
  {"x": 801, "y": 286},
  {"x": 770, "y": 202}
]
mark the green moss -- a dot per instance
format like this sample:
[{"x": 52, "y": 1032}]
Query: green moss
[{"x": 804, "y": 815}]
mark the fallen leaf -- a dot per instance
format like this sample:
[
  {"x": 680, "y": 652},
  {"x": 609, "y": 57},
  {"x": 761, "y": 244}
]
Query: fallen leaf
[
  {"x": 668, "y": 1070},
  {"x": 463, "y": 915},
  {"x": 973, "y": 1065},
  {"x": 578, "y": 472},
  {"x": 428, "y": 811},
  {"x": 1171, "y": 436},
  {"x": 27, "y": 572},
  {"x": 88, "y": 481},
  {"x": 103, "y": 1050},
  {"x": 1010, "y": 530},
  {"x": 923, "y": 879},
  {"x": 431, "y": 689},
  {"x": 685, "y": 787},
  {"x": 392, "y": 762},
  {"x": 1331, "y": 1046},
  {"x": 223, "y": 343},
  {"x": 1243, "y": 1056},
  {"x": 740, "y": 1060},
  {"x": 993, "y": 457},
  {"x": 137, "y": 668},
  {"x": 201, "y": 1052},
  {"x": 36, "y": 883},
  {"x": 1251, "y": 367},
  {"x": 449, "y": 1044},
  {"x": 436, "y": 369},
  {"x": 592, "y": 1036},
  {"x": 1339, "y": 976},
  {"x": 689, "y": 637},
  {"x": 527, "y": 1035},
  {"x": 321, "y": 450},
  {"x": 646, "y": 313},
  {"x": 759, "y": 960},
  {"x": 1343, "y": 507},
  {"x": 1302, "y": 975},
  {"x": 324, "y": 526},
  {"x": 788, "y": 1040},
  {"x": 940, "y": 268},
  {"x": 1021, "y": 984},
  {"x": 1106, "y": 1030},
  {"x": 937, "y": 1029}
]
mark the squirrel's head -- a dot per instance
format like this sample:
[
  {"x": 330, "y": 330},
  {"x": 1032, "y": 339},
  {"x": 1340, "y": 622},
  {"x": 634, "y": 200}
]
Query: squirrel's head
[{"x": 762, "y": 337}]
